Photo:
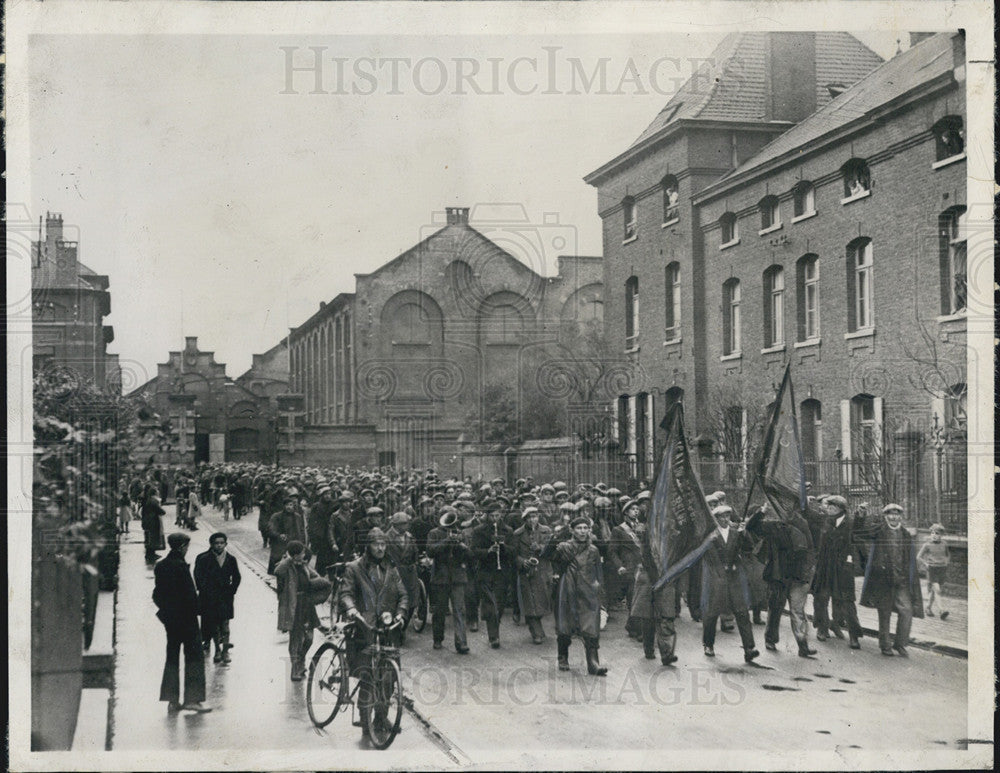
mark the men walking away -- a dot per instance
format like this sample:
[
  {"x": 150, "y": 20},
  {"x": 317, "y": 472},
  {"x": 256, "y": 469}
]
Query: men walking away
[
  {"x": 176, "y": 600},
  {"x": 217, "y": 577}
]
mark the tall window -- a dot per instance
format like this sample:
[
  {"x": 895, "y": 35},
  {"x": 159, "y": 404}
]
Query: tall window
[
  {"x": 731, "y": 328},
  {"x": 864, "y": 428},
  {"x": 641, "y": 451},
  {"x": 730, "y": 228},
  {"x": 857, "y": 177},
  {"x": 807, "y": 271},
  {"x": 949, "y": 137},
  {"x": 630, "y": 216},
  {"x": 812, "y": 430},
  {"x": 859, "y": 279},
  {"x": 770, "y": 213},
  {"x": 803, "y": 199},
  {"x": 953, "y": 260},
  {"x": 955, "y": 409},
  {"x": 670, "y": 198},
  {"x": 632, "y": 312},
  {"x": 673, "y": 302},
  {"x": 774, "y": 306}
]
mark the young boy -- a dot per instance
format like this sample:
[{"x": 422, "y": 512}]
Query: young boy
[{"x": 933, "y": 556}]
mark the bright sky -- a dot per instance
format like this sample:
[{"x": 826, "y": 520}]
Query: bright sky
[{"x": 223, "y": 208}]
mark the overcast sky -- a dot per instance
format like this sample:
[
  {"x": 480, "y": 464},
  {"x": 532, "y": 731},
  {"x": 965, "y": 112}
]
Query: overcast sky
[{"x": 223, "y": 208}]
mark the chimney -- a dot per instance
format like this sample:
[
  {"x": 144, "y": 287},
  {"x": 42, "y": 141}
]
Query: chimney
[
  {"x": 53, "y": 227},
  {"x": 457, "y": 215},
  {"x": 916, "y": 37},
  {"x": 191, "y": 343},
  {"x": 791, "y": 76}
]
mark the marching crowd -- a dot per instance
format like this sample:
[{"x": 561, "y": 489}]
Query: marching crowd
[{"x": 578, "y": 554}]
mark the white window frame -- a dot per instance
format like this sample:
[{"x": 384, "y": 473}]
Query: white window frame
[
  {"x": 864, "y": 313},
  {"x": 957, "y": 241},
  {"x": 810, "y": 299},
  {"x": 630, "y": 218},
  {"x": 776, "y": 301},
  {"x": 673, "y": 287},
  {"x": 809, "y": 199},
  {"x": 632, "y": 312},
  {"x": 733, "y": 298}
]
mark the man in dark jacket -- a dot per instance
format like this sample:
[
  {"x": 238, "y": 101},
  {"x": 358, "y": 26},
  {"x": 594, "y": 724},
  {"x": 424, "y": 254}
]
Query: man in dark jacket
[
  {"x": 624, "y": 556},
  {"x": 152, "y": 526},
  {"x": 788, "y": 572},
  {"x": 176, "y": 600},
  {"x": 449, "y": 577},
  {"x": 834, "y": 578},
  {"x": 217, "y": 577},
  {"x": 494, "y": 565},
  {"x": 891, "y": 580},
  {"x": 318, "y": 528}
]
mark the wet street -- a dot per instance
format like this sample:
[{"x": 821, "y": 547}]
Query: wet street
[{"x": 514, "y": 702}]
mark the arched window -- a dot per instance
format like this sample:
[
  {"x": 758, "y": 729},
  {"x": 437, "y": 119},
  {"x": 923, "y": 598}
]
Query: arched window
[
  {"x": 860, "y": 264},
  {"x": 632, "y": 312},
  {"x": 501, "y": 323},
  {"x": 952, "y": 236},
  {"x": 811, "y": 415},
  {"x": 672, "y": 287},
  {"x": 732, "y": 296},
  {"x": 770, "y": 213},
  {"x": 729, "y": 226},
  {"x": 857, "y": 178},
  {"x": 671, "y": 210},
  {"x": 774, "y": 306},
  {"x": 807, "y": 286},
  {"x": 949, "y": 137},
  {"x": 630, "y": 218},
  {"x": 803, "y": 199},
  {"x": 412, "y": 318}
]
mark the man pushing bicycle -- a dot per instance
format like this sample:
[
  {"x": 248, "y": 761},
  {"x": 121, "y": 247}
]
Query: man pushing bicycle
[{"x": 371, "y": 591}]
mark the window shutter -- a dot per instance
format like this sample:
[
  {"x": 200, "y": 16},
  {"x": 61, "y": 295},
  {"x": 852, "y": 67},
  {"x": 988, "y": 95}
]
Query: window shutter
[
  {"x": 879, "y": 429},
  {"x": 845, "y": 428},
  {"x": 650, "y": 438},
  {"x": 631, "y": 424},
  {"x": 614, "y": 420}
]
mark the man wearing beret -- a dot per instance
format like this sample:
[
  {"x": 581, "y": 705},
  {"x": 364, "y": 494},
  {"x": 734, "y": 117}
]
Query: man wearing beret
[
  {"x": 449, "y": 576},
  {"x": 578, "y": 562},
  {"x": 834, "y": 578},
  {"x": 891, "y": 580}
]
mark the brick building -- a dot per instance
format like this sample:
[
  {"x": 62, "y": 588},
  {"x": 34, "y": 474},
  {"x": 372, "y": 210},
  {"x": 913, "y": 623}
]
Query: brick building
[
  {"x": 210, "y": 416},
  {"x": 404, "y": 367},
  {"x": 838, "y": 246},
  {"x": 69, "y": 304}
]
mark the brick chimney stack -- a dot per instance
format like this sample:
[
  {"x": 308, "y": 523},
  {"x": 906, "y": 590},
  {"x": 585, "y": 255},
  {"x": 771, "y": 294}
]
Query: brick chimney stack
[{"x": 457, "y": 215}]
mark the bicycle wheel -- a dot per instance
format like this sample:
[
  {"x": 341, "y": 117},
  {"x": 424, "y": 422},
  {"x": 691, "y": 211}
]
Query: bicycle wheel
[
  {"x": 381, "y": 717},
  {"x": 419, "y": 617},
  {"x": 327, "y": 687}
]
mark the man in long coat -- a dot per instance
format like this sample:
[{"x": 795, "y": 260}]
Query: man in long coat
[
  {"x": 319, "y": 532},
  {"x": 578, "y": 612},
  {"x": 624, "y": 556},
  {"x": 834, "y": 578},
  {"x": 176, "y": 600},
  {"x": 534, "y": 571},
  {"x": 285, "y": 526},
  {"x": 891, "y": 580},
  {"x": 401, "y": 549},
  {"x": 152, "y": 526},
  {"x": 296, "y": 610},
  {"x": 217, "y": 577}
]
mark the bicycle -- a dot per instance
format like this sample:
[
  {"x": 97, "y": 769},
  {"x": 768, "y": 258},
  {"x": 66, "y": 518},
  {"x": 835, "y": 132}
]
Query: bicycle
[
  {"x": 421, "y": 605},
  {"x": 328, "y": 690}
]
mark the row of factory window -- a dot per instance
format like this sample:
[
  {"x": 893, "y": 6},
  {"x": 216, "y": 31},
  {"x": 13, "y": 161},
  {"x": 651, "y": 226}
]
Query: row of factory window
[
  {"x": 860, "y": 265},
  {"x": 949, "y": 137}
]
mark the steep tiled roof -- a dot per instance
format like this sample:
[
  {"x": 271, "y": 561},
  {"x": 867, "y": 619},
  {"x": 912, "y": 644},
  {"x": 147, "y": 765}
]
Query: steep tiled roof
[
  {"x": 919, "y": 64},
  {"x": 732, "y": 85}
]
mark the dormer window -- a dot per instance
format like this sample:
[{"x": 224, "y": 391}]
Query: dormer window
[
  {"x": 729, "y": 226},
  {"x": 630, "y": 217},
  {"x": 857, "y": 178},
  {"x": 671, "y": 210},
  {"x": 949, "y": 137},
  {"x": 770, "y": 214}
]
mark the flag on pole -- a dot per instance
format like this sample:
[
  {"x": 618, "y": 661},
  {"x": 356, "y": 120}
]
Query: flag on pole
[
  {"x": 780, "y": 468},
  {"x": 679, "y": 521}
]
